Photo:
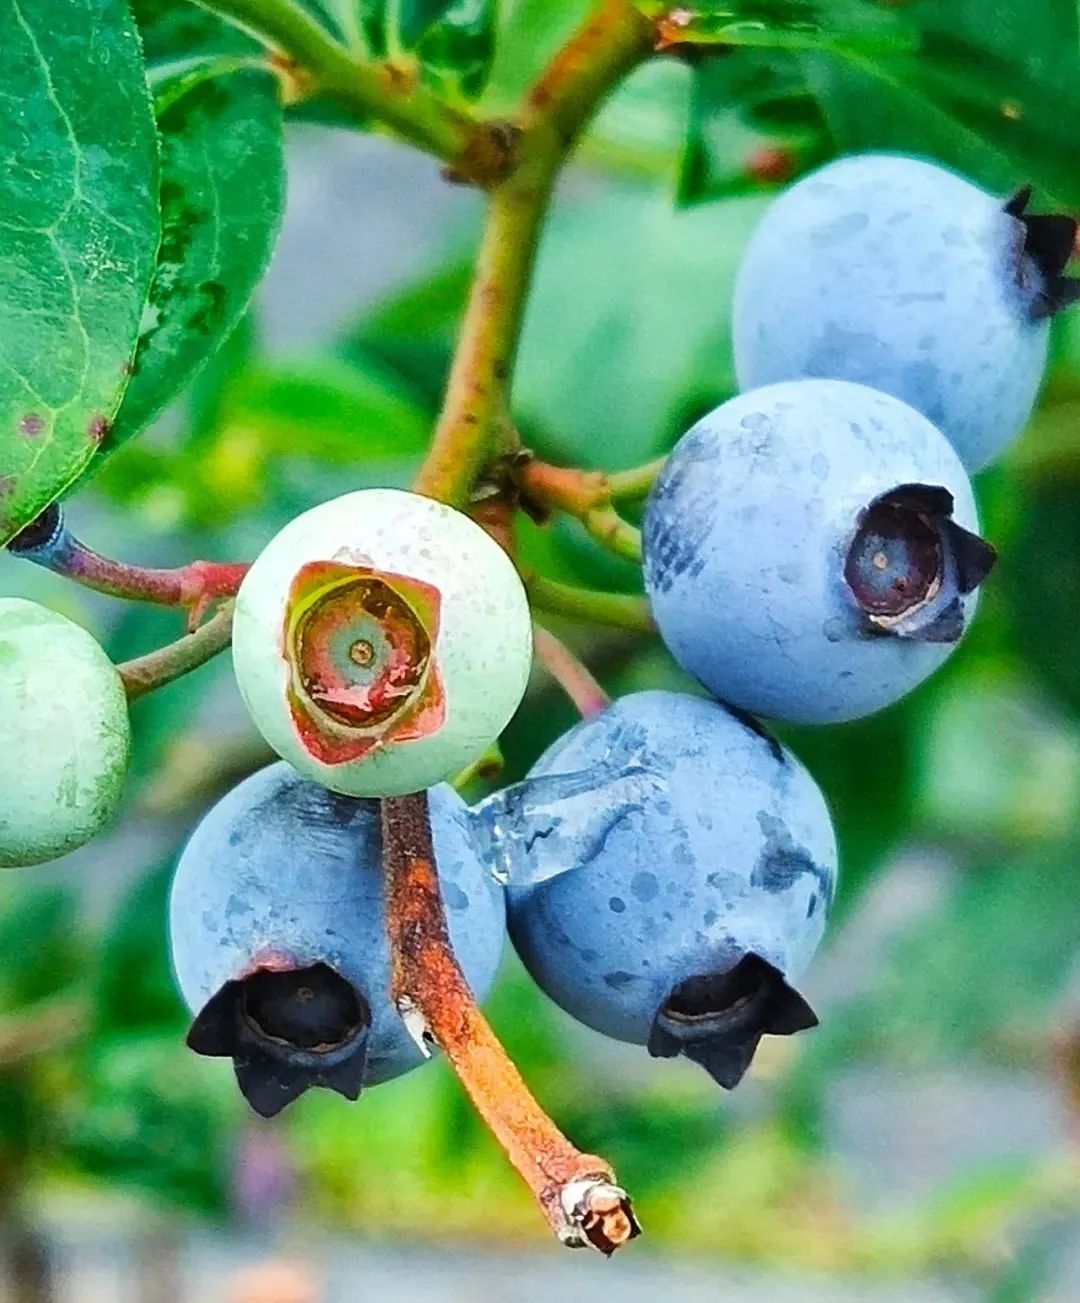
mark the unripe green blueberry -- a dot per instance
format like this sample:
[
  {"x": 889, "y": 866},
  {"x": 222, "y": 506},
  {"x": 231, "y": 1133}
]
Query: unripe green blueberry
[
  {"x": 381, "y": 642},
  {"x": 64, "y": 735}
]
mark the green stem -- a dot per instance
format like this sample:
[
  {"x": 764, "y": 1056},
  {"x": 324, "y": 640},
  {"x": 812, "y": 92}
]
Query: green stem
[
  {"x": 473, "y": 419},
  {"x": 619, "y": 610},
  {"x": 170, "y": 662},
  {"x": 370, "y": 89},
  {"x": 634, "y": 484}
]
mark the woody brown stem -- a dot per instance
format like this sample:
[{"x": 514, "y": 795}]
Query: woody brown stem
[{"x": 575, "y": 1191}]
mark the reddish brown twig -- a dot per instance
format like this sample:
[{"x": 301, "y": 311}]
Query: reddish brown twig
[
  {"x": 576, "y": 1191},
  {"x": 568, "y": 671},
  {"x": 585, "y": 495},
  {"x": 192, "y": 587}
]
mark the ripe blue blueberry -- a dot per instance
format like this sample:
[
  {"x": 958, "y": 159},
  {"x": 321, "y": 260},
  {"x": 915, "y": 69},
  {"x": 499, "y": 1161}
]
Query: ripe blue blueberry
[
  {"x": 810, "y": 552},
  {"x": 898, "y": 274},
  {"x": 670, "y": 869},
  {"x": 279, "y": 941}
]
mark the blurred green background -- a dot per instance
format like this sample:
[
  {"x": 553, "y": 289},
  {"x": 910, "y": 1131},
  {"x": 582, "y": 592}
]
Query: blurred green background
[{"x": 922, "y": 1140}]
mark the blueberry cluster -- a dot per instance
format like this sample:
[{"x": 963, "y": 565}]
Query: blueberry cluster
[
  {"x": 666, "y": 869},
  {"x": 811, "y": 554}
]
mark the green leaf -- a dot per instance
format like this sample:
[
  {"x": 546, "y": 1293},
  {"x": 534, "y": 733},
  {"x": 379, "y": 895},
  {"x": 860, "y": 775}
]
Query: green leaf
[
  {"x": 80, "y": 233},
  {"x": 325, "y": 410},
  {"x": 451, "y": 41},
  {"x": 457, "y": 43},
  {"x": 627, "y": 337},
  {"x": 221, "y": 200},
  {"x": 981, "y": 974},
  {"x": 993, "y": 92},
  {"x": 753, "y": 123},
  {"x": 842, "y": 25}
]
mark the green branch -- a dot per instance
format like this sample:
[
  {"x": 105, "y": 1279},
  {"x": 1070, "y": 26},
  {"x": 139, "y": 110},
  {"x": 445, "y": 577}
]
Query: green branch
[
  {"x": 474, "y": 419},
  {"x": 370, "y": 89}
]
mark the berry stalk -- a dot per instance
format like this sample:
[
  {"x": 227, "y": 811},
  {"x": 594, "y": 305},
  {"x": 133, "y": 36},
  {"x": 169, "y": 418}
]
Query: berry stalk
[
  {"x": 585, "y": 495},
  {"x": 618, "y": 610},
  {"x": 575, "y": 678},
  {"x": 576, "y": 1191},
  {"x": 146, "y": 673},
  {"x": 48, "y": 543}
]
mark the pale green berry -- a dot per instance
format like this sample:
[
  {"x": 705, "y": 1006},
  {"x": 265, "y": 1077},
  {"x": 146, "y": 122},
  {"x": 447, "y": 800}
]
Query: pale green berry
[
  {"x": 382, "y": 642},
  {"x": 64, "y": 735}
]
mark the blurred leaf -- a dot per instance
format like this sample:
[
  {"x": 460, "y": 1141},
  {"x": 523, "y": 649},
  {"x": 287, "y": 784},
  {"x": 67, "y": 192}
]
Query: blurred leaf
[
  {"x": 413, "y": 331},
  {"x": 840, "y": 25},
  {"x": 529, "y": 33},
  {"x": 80, "y": 232},
  {"x": 150, "y": 1115},
  {"x": 221, "y": 198},
  {"x": 330, "y": 411},
  {"x": 997, "y": 761},
  {"x": 753, "y": 124},
  {"x": 601, "y": 381},
  {"x": 1040, "y": 581},
  {"x": 991, "y": 93},
  {"x": 40, "y": 937},
  {"x": 452, "y": 41},
  {"x": 979, "y": 976},
  {"x": 209, "y": 390},
  {"x": 135, "y": 989}
]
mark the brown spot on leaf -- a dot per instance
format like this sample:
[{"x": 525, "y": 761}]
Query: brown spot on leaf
[
  {"x": 98, "y": 428},
  {"x": 31, "y": 424},
  {"x": 770, "y": 163}
]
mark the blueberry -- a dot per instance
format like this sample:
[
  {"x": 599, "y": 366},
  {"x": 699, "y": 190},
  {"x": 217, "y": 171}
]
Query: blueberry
[
  {"x": 896, "y": 273},
  {"x": 809, "y": 550},
  {"x": 279, "y": 939},
  {"x": 670, "y": 870},
  {"x": 64, "y": 735},
  {"x": 381, "y": 642}
]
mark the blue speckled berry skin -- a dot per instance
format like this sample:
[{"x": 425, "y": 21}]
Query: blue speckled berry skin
[
  {"x": 726, "y": 848},
  {"x": 281, "y": 865},
  {"x": 896, "y": 273},
  {"x": 745, "y": 535}
]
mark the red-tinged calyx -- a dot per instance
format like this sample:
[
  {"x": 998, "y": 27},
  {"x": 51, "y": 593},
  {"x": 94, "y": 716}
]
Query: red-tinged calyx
[{"x": 360, "y": 644}]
